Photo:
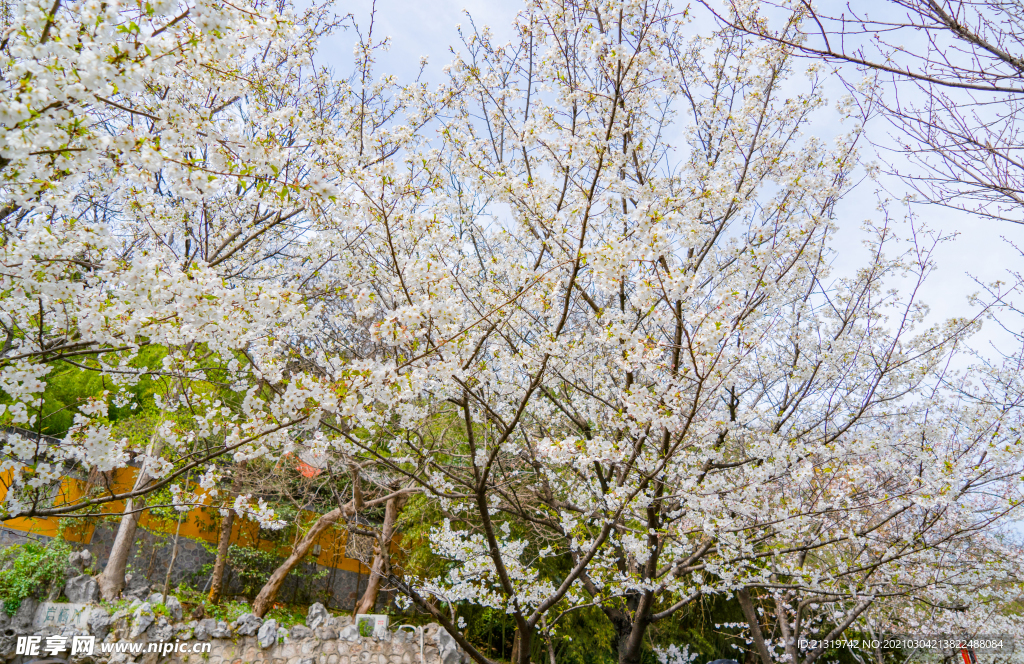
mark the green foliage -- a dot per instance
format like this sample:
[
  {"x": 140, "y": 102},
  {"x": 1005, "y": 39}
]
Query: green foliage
[
  {"x": 365, "y": 627},
  {"x": 252, "y": 567},
  {"x": 226, "y": 610},
  {"x": 288, "y": 616},
  {"x": 69, "y": 386},
  {"x": 116, "y": 605},
  {"x": 30, "y": 570},
  {"x": 698, "y": 627}
]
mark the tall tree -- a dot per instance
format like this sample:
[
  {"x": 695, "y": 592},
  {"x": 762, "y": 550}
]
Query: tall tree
[
  {"x": 149, "y": 183},
  {"x": 602, "y": 330}
]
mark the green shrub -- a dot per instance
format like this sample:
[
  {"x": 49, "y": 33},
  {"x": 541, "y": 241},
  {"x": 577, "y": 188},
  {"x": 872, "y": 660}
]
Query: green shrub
[
  {"x": 288, "y": 616},
  {"x": 366, "y": 627},
  {"x": 252, "y": 566},
  {"x": 192, "y": 599},
  {"x": 31, "y": 569}
]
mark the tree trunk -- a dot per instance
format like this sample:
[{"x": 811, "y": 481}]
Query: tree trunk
[
  {"x": 550, "y": 641},
  {"x": 750, "y": 613},
  {"x": 516, "y": 647},
  {"x": 522, "y": 644},
  {"x": 224, "y": 541},
  {"x": 630, "y": 636},
  {"x": 265, "y": 599},
  {"x": 382, "y": 556},
  {"x": 111, "y": 581},
  {"x": 174, "y": 557},
  {"x": 630, "y": 624}
]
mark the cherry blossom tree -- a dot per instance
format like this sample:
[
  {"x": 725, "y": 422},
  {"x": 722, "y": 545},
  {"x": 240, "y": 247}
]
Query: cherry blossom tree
[
  {"x": 602, "y": 331},
  {"x": 580, "y": 296},
  {"x": 153, "y": 178},
  {"x": 165, "y": 186}
]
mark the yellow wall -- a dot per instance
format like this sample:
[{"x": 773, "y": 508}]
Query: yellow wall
[{"x": 202, "y": 523}]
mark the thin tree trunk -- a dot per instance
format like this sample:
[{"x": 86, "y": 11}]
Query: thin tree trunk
[
  {"x": 224, "y": 541},
  {"x": 382, "y": 556},
  {"x": 174, "y": 557},
  {"x": 111, "y": 581},
  {"x": 750, "y": 613},
  {"x": 550, "y": 641},
  {"x": 516, "y": 646},
  {"x": 265, "y": 599}
]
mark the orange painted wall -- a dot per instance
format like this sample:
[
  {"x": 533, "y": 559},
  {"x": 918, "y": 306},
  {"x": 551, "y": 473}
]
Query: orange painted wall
[{"x": 200, "y": 524}]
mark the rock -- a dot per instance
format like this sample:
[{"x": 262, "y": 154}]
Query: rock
[
  {"x": 300, "y": 633},
  {"x": 448, "y": 647},
  {"x": 155, "y": 598},
  {"x": 21, "y": 623},
  {"x": 339, "y": 622},
  {"x": 161, "y": 632},
  {"x": 120, "y": 624},
  {"x": 350, "y": 633},
  {"x": 247, "y": 624},
  {"x": 8, "y": 646},
  {"x": 204, "y": 629},
  {"x": 317, "y": 615},
  {"x": 70, "y": 631},
  {"x": 444, "y": 640},
  {"x": 82, "y": 589},
  {"x": 222, "y": 631},
  {"x": 184, "y": 631},
  {"x": 326, "y": 633},
  {"x": 99, "y": 623},
  {"x": 136, "y": 586},
  {"x": 80, "y": 561},
  {"x": 267, "y": 635},
  {"x": 142, "y": 618},
  {"x": 173, "y": 605}
]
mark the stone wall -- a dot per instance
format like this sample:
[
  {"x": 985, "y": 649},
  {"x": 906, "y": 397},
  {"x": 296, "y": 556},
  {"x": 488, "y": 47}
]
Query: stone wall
[
  {"x": 324, "y": 639},
  {"x": 151, "y": 554},
  {"x": 399, "y": 648},
  {"x": 10, "y": 537}
]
